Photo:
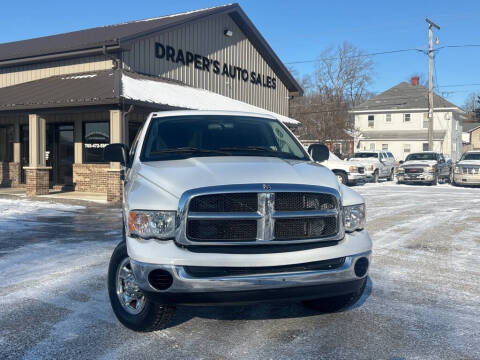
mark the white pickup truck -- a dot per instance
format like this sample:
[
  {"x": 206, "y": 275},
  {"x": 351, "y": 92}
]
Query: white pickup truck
[
  {"x": 227, "y": 207},
  {"x": 378, "y": 164}
]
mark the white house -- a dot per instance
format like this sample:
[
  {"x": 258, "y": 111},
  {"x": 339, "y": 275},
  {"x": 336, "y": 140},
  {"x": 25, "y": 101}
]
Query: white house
[{"x": 397, "y": 121}]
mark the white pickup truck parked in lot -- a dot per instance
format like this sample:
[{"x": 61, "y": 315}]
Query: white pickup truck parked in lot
[
  {"x": 225, "y": 207},
  {"x": 467, "y": 170},
  {"x": 378, "y": 164},
  {"x": 347, "y": 172}
]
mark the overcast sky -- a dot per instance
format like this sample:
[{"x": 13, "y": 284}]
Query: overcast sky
[{"x": 300, "y": 30}]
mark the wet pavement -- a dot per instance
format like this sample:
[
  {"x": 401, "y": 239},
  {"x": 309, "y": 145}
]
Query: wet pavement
[{"x": 422, "y": 300}]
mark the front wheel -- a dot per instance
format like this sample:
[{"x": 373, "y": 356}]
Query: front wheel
[
  {"x": 129, "y": 304},
  {"x": 336, "y": 303},
  {"x": 375, "y": 176},
  {"x": 392, "y": 173},
  {"x": 342, "y": 178}
]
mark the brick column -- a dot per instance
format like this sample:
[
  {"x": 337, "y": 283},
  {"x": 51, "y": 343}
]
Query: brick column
[
  {"x": 37, "y": 173},
  {"x": 14, "y": 167},
  {"x": 114, "y": 185},
  {"x": 37, "y": 181},
  {"x": 14, "y": 172}
]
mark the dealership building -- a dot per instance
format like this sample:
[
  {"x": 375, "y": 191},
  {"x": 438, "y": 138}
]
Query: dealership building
[{"x": 63, "y": 98}]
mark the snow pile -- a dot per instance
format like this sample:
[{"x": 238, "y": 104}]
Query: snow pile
[
  {"x": 188, "y": 97},
  {"x": 13, "y": 213}
]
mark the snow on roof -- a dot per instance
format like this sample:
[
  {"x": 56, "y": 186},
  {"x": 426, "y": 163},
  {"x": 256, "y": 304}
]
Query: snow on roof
[{"x": 181, "y": 96}]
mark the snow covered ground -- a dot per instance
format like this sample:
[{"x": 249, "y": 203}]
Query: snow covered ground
[{"x": 422, "y": 302}]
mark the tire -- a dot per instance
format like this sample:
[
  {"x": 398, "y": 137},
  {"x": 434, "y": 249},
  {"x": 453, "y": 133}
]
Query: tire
[
  {"x": 336, "y": 303},
  {"x": 392, "y": 173},
  {"x": 342, "y": 177},
  {"x": 147, "y": 316},
  {"x": 375, "y": 176}
]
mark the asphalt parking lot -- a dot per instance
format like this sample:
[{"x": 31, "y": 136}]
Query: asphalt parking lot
[{"x": 422, "y": 301}]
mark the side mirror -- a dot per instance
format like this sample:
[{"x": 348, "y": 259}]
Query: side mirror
[
  {"x": 401, "y": 162},
  {"x": 116, "y": 153},
  {"x": 319, "y": 152}
]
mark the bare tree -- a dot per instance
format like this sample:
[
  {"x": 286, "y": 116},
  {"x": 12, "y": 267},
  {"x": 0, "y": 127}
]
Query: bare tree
[
  {"x": 472, "y": 102},
  {"x": 340, "y": 82}
]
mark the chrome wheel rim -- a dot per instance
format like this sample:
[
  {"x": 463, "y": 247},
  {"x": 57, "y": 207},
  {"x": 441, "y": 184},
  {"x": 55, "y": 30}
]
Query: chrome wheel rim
[
  {"x": 131, "y": 297},
  {"x": 340, "y": 179}
]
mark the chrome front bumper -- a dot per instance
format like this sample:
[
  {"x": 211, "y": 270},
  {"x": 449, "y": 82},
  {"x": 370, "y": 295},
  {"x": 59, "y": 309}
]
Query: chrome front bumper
[
  {"x": 469, "y": 179},
  {"x": 183, "y": 283},
  {"x": 420, "y": 177},
  {"x": 356, "y": 176}
]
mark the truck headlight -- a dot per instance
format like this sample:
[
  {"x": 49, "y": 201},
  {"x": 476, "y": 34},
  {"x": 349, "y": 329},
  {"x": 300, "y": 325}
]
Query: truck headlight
[
  {"x": 457, "y": 170},
  {"x": 400, "y": 170},
  {"x": 354, "y": 217},
  {"x": 152, "y": 224},
  {"x": 430, "y": 169},
  {"x": 352, "y": 169},
  {"x": 371, "y": 167}
]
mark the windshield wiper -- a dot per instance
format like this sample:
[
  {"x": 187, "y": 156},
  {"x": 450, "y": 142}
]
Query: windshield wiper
[{"x": 187, "y": 149}]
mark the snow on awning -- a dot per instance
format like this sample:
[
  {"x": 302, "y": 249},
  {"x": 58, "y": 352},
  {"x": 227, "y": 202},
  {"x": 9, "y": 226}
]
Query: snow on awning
[{"x": 164, "y": 93}]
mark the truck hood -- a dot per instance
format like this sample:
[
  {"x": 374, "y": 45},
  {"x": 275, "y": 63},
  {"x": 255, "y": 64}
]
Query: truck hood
[
  {"x": 178, "y": 176},
  {"x": 469, "y": 162},
  {"x": 419, "y": 163},
  {"x": 365, "y": 160}
]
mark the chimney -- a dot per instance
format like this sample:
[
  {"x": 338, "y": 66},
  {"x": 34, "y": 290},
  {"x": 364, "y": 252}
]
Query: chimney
[{"x": 414, "y": 80}]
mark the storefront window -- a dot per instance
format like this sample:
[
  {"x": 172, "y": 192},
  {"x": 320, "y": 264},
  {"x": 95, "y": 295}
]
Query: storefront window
[{"x": 96, "y": 135}]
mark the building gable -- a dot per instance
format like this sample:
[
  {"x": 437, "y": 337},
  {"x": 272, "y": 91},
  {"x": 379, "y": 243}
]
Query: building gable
[{"x": 199, "y": 54}]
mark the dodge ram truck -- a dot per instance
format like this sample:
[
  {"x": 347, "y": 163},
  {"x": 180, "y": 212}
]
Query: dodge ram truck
[{"x": 229, "y": 208}]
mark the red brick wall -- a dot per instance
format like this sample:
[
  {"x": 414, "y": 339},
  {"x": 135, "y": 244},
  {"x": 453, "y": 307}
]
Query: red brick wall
[
  {"x": 37, "y": 181},
  {"x": 90, "y": 177}
]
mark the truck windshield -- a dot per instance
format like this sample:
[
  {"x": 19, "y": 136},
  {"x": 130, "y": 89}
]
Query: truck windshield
[
  {"x": 471, "y": 156},
  {"x": 364, "y": 155},
  {"x": 180, "y": 137},
  {"x": 421, "y": 156}
]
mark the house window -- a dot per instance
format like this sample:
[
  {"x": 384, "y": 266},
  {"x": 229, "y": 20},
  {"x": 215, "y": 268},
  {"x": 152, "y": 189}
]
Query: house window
[
  {"x": 371, "y": 120},
  {"x": 425, "y": 120},
  {"x": 96, "y": 136},
  {"x": 6, "y": 143},
  {"x": 425, "y": 146},
  {"x": 388, "y": 118},
  {"x": 406, "y": 148},
  {"x": 372, "y": 146},
  {"x": 385, "y": 147},
  {"x": 406, "y": 117}
]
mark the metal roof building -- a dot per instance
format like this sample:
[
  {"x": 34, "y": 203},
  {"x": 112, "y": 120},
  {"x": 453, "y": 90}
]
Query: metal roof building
[{"x": 59, "y": 92}]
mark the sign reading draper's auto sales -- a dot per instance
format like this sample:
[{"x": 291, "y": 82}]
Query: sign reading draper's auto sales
[{"x": 200, "y": 62}]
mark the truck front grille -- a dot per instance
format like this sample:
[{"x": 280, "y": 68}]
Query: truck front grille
[
  {"x": 310, "y": 228},
  {"x": 361, "y": 170},
  {"x": 262, "y": 217},
  {"x": 414, "y": 170},
  {"x": 222, "y": 230},
  {"x": 470, "y": 170}
]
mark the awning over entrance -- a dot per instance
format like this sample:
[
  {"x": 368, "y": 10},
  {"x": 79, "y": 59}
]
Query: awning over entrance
[{"x": 118, "y": 87}]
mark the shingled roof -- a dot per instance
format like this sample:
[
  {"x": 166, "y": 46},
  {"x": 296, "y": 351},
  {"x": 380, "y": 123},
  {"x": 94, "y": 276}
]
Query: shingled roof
[
  {"x": 115, "y": 38},
  {"x": 404, "y": 96}
]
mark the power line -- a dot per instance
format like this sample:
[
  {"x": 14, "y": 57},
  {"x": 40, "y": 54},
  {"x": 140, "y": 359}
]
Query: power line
[
  {"x": 357, "y": 56},
  {"x": 386, "y": 52}
]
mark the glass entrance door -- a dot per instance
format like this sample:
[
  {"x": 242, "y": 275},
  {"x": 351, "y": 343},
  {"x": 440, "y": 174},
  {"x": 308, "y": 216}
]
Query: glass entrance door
[
  {"x": 24, "y": 152},
  {"x": 60, "y": 153}
]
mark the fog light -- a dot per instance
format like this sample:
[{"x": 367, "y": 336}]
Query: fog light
[
  {"x": 160, "y": 279},
  {"x": 361, "y": 267}
]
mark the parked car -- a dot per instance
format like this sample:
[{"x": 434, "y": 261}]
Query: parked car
[
  {"x": 378, "y": 164},
  {"x": 227, "y": 207},
  {"x": 427, "y": 166},
  {"x": 467, "y": 170},
  {"x": 347, "y": 172}
]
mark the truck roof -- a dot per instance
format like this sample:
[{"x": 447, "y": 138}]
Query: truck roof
[{"x": 211, "y": 112}]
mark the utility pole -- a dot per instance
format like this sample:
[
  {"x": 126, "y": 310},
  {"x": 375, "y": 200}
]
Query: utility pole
[{"x": 431, "y": 24}]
